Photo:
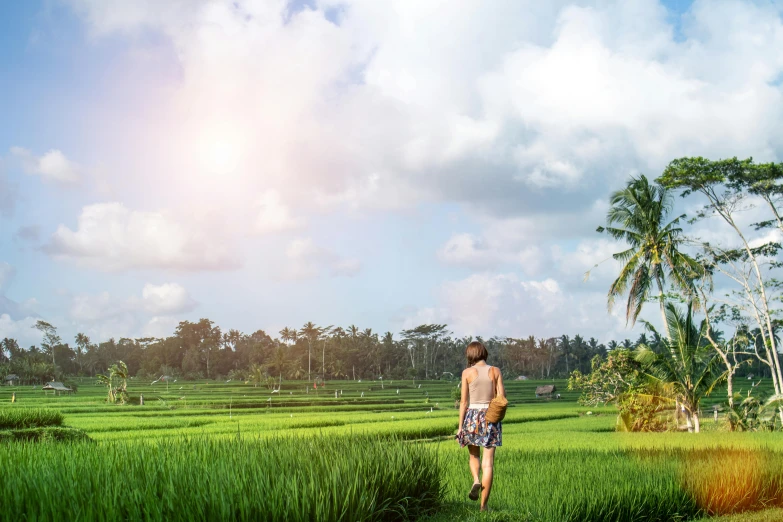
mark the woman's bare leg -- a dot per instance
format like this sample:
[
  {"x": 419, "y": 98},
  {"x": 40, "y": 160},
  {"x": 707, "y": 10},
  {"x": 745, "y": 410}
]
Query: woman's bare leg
[
  {"x": 475, "y": 462},
  {"x": 487, "y": 467}
]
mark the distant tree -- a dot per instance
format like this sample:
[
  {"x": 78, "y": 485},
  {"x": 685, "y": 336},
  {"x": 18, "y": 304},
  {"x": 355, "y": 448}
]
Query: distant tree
[
  {"x": 82, "y": 343},
  {"x": 50, "y": 337},
  {"x": 311, "y": 333}
]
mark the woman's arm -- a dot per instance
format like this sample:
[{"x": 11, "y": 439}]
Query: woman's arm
[
  {"x": 500, "y": 390},
  {"x": 464, "y": 399}
]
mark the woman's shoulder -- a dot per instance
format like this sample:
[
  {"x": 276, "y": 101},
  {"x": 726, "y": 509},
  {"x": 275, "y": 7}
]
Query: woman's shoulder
[
  {"x": 494, "y": 371},
  {"x": 469, "y": 372}
]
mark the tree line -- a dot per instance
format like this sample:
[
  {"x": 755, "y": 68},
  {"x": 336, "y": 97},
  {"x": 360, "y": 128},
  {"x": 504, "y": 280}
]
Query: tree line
[{"x": 201, "y": 350}]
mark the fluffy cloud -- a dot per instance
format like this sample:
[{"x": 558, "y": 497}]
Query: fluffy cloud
[
  {"x": 104, "y": 315},
  {"x": 166, "y": 299},
  {"x": 503, "y": 304},
  {"x": 111, "y": 237},
  {"x": 558, "y": 97},
  {"x": 22, "y": 330},
  {"x": 274, "y": 215},
  {"x": 306, "y": 260},
  {"x": 52, "y": 166}
]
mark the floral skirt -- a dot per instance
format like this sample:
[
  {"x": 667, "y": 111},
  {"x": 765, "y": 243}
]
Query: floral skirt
[{"x": 476, "y": 431}]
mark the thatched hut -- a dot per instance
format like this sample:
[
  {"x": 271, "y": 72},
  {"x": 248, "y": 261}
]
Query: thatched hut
[
  {"x": 545, "y": 391},
  {"x": 11, "y": 379},
  {"x": 56, "y": 387}
]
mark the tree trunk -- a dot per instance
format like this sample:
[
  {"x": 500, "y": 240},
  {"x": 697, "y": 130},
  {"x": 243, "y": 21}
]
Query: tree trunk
[
  {"x": 688, "y": 421},
  {"x": 696, "y": 424}
]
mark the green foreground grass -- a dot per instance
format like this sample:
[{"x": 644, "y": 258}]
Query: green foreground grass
[{"x": 557, "y": 462}]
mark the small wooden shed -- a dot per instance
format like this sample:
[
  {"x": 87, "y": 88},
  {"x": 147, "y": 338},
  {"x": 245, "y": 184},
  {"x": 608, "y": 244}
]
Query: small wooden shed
[
  {"x": 56, "y": 387},
  {"x": 545, "y": 391},
  {"x": 11, "y": 379}
]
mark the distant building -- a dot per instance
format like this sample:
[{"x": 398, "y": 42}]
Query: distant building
[
  {"x": 56, "y": 387},
  {"x": 11, "y": 379},
  {"x": 522, "y": 378}
]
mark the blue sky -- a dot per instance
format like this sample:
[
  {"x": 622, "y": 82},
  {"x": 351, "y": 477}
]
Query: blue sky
[{"x": 386, "y": 164}]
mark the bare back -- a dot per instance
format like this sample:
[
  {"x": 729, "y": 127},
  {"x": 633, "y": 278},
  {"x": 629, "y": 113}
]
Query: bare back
[{"x": 483, "y": 383}]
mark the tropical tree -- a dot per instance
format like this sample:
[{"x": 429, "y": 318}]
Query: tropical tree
[
  {"x": 687, "y": 370},
  {"x": 311, "y": 333},
  {"x": 50, "y": 337},
  {"x": 732, "y": 187},
  {"x": 116, "y": 382},
  {"x": 82, "y": 342},
  {"x": 638, "y": 216}
]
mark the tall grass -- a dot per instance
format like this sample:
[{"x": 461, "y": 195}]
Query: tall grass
[
  {"x": 624, "y": 486},
  {"x": 349, "y": 478},
  {"x": 21, "y": 418}
]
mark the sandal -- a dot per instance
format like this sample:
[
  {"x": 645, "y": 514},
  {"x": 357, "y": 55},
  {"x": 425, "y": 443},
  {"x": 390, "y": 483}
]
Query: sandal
[{"x": 474, "y": 491}]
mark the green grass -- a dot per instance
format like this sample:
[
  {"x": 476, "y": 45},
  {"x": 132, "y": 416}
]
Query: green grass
[
  {"x": 556, "y": 463},
  {"x": 21, "y": 418},
  {"x": 205, "y": 479}
]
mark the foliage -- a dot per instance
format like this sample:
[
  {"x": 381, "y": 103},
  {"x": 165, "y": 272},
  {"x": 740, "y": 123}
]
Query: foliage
[
  {"x": 116, "y": 382},
  {"x": 638, "y": 216},
  {"x": 687, "y": 370},
  {"x": 753, "y": 414},
  {"x": 619, "y": 379},
  {"x": 648, "y": 410},
  {"x": 611, "y": 377}
]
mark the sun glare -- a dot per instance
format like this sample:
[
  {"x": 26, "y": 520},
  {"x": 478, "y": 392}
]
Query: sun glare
[{"x": 221, "y": 151}]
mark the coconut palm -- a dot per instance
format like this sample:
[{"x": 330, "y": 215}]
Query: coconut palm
[
  {"x": 687, "y": 369},
  {"x": 310, "y": 332},
  {"x": 638, "y": 216}
]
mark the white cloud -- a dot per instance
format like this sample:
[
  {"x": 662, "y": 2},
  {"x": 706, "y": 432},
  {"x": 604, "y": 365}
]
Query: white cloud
[
  {"x": 22, "y": 330},
  {"x": 502, "y": 304},
  {"x": 111, "y": 237},
  {"x": 104, "y": 315},
  {"x": 515, "y": 109},
  {"x": 306, "y": 260},
  {"x": 166, "y": 299},
  {"x": 52, "y": 166},
  {"x": 274, "y": 215}
]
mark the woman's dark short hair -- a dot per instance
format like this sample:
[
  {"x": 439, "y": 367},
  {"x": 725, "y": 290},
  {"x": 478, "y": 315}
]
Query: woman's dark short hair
[{"x": 476, "y": 352}]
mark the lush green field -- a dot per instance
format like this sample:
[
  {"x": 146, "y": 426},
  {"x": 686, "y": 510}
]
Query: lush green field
[{"x": 557, "y": 461}]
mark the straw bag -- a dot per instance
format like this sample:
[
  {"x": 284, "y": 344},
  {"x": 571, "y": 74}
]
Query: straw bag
[{"x": 497, "y": 409}]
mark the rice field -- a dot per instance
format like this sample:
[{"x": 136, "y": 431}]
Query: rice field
[{"x": 367, "y": 451}]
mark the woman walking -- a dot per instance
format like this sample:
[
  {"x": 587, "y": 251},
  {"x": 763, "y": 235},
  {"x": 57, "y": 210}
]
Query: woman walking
[{"x": 480, "y": 384}]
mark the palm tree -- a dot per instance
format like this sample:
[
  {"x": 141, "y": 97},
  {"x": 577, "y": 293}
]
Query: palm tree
[
  {"x": 288, "y": 335},
  {"x": 310, "y": 332},
  {"x": 82, "y": 342},
  {"x": 640, "y": 211},
  {"x": 687, "y": 369}
]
